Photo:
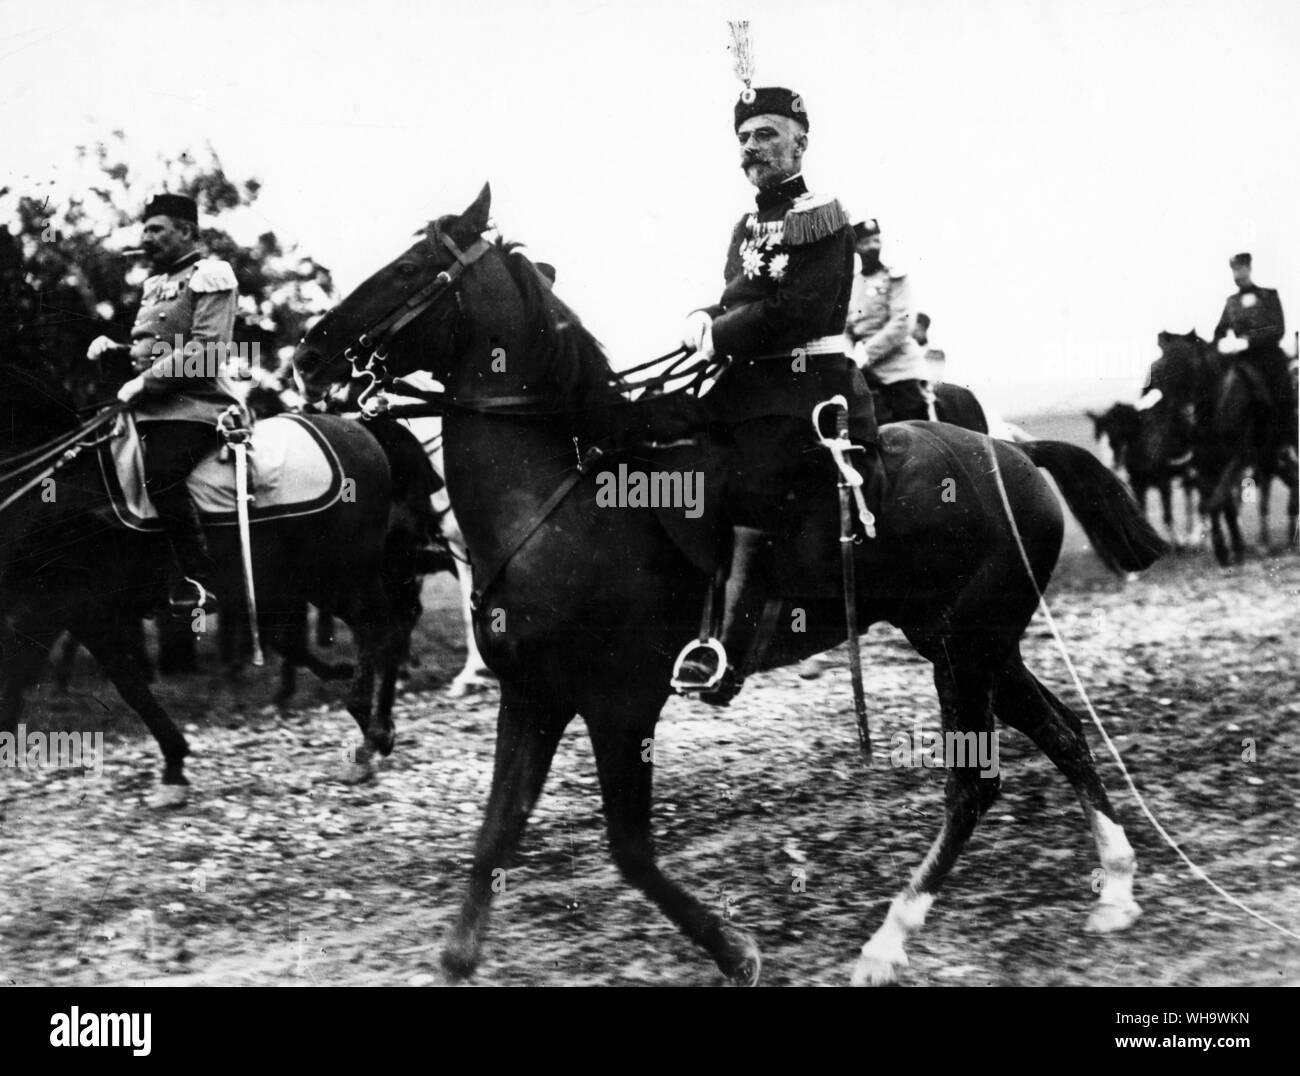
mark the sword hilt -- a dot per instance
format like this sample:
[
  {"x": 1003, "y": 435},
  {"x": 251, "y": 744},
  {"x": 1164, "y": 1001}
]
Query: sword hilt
[{"x": 850, "y": 476}]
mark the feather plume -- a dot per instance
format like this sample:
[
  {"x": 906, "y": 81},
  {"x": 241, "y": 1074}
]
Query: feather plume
[{"x": 742, "y": 51}]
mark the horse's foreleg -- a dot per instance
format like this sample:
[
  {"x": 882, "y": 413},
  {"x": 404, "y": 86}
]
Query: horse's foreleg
[
  {"x": 1264, "y": 494},
  {"x": 1192, "y": 516},
  {"x": 106, "y": 644},
  {"x": 1025, "y": 704},
  {"x": 1167, "y": 512},
  {"x": 528, "y": 730},
  {"x": 964, "y": 683},
  {"x": 622, "y": 737}
]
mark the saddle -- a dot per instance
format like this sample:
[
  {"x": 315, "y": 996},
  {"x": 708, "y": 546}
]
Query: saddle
[
  {"x": 293, "y": 471},
  {"x": 672, "y": 436}
]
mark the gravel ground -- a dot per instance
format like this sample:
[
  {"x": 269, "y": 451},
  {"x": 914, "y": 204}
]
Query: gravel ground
[{"x": 278, "y": 873}]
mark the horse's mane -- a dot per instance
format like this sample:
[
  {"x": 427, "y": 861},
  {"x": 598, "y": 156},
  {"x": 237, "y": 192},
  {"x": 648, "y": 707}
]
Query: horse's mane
[{"x": 573, "y": 356}]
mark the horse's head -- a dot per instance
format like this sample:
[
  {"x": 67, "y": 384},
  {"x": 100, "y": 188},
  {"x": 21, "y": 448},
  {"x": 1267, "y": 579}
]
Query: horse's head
[
  {"x": 1118, "y": 425},
  {"x": 464, "y": 306},
  {"x": 1185, "y": 365}
]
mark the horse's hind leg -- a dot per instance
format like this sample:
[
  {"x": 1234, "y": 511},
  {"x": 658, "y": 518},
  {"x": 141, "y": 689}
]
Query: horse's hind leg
[
  {"x": 1025, "y": 704},
  {"x": 963, "y": 677},
  {"x": 26, "y": 649},
  {"x": 622, "y": 734},
  {"x": 528, "y": 730},
  {"x": 105, "y": 643}
]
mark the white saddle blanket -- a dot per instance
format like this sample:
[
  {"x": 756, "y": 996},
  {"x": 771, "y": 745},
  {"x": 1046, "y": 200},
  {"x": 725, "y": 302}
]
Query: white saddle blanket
[{"x": 292, "y": 471}]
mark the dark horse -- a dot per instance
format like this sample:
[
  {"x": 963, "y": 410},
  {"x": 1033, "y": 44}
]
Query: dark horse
[
  {"x": 595, "y": 602},
  {"x": 1145, "y": 448},
  {"x": 99, "y": 578},
  {"x": 1229, "y": 439}
]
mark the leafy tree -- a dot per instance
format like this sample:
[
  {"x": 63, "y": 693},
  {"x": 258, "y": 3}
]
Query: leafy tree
[{"x": 64, "y": 279}]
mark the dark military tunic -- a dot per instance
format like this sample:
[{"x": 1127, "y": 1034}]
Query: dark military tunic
[
  {"x": 789, "y": 274},
  {"x": 1254, "y": 314},
  {"x": 780, "y": 322}
]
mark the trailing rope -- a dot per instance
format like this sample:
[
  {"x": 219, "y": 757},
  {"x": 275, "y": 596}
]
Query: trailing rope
[{"x": 1197, "y": 872}]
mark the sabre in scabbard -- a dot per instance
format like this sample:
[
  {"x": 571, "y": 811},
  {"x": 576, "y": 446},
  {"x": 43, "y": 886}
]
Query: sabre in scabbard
[
  {"x": 850, "y": 488},
  {"x": 237, "y": 435}
]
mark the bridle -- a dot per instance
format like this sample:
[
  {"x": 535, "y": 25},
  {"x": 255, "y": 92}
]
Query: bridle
[{"x": 368, "y": 353}]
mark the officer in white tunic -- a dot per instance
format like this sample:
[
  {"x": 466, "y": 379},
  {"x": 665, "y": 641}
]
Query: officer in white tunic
[
  {"x": 179, "y": 346},
  {"x": 879, "y": 329}
]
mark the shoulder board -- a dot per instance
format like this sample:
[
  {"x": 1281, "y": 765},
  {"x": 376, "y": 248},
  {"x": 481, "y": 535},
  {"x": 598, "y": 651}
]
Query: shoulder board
[
  {"x": 213, "y": 274},
  {"x": 812, "y": 218}
]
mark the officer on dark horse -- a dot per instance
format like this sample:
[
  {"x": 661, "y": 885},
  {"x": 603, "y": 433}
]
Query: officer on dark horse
[
  {"x": 1251, "y": 326},
  {"x": 178, "y": 345},
  {"x": 779, "y": 326}
]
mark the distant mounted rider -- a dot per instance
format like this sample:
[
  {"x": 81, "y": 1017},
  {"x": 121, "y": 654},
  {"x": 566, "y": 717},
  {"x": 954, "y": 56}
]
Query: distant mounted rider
[
  {"x": 1252, "y": 326},
  {"x": 179, "y": 345},
  {"x": 779, "y": 325},
  {"x": 880, "y": 328}
]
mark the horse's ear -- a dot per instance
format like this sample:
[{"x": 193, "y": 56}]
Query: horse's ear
[{"x": 476, "y": 216}]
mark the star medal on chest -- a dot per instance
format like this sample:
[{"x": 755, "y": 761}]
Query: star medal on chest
[{"x": 1248, "y": 300}]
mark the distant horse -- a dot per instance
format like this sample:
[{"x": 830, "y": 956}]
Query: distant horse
[
  {"x": 581, "y": 608},
  {"x": 100, "y": 578},
  {"x": 1143, "y": 447},
  {"x": 1229, "y": 440},
  {"x": 450, "y": 553}
]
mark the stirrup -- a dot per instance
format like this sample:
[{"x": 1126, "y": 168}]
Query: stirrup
[
  {"x": 206, "y": 599},
  {"x": 712, "y": 645}
]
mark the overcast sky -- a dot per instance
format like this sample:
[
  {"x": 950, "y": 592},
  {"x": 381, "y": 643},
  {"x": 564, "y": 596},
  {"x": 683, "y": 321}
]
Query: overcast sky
[{"x": 1061, "y": 180}]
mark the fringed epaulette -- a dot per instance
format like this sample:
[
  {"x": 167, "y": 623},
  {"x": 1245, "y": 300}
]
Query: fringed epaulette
[
  {"x": 213, "y": 274},
  {"x": 812, "y": 218}
]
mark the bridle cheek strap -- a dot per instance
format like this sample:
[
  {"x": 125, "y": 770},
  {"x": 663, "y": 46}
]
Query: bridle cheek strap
[{"x": 420, "y": 301}]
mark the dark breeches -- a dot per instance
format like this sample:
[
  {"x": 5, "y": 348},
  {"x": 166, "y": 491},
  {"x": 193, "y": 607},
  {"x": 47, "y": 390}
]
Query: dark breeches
[
  {"x": 172, "y": 449},
  {"x": 899, "y": 400}
]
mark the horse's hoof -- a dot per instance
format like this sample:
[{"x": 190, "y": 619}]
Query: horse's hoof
[
  {"x": 740, "y": 960},
  {"x": 470, "y": 685},
  {"x": 459, "y": 958},
  {"x": 1108, "y": 918},
  {"x": 383, "y": 743},
  {"x": 170, "y": 797},
  {"x": 810, "y": 668},
  {"x": 876, "y": 967},
  {"x": 357, "y": 766}
]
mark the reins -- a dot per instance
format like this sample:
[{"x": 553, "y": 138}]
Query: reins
[{"x": 61, "y": 450}]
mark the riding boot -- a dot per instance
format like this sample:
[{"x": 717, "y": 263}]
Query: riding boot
[
  {"x": 747, "y": 591},
  {"x": 194, "y": 588}
]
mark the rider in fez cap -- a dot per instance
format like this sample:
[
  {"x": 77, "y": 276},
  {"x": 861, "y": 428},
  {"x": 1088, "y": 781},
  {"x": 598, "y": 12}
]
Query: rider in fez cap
[
  {"x": 1239, "y": 259},
  {"x": 176, "y": 206},
  {"x": 770, "y": 101}
]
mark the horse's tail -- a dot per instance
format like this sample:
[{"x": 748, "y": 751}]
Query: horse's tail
[{"x": 1101, "y": 503}]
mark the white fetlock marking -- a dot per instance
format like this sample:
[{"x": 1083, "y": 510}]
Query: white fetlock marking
[
  {"x": 1116, "y": 908},
  {"x": 171, "y": 796},
  {"x": 358, "y": 767},
  {"x": 884, "y": 953}
]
